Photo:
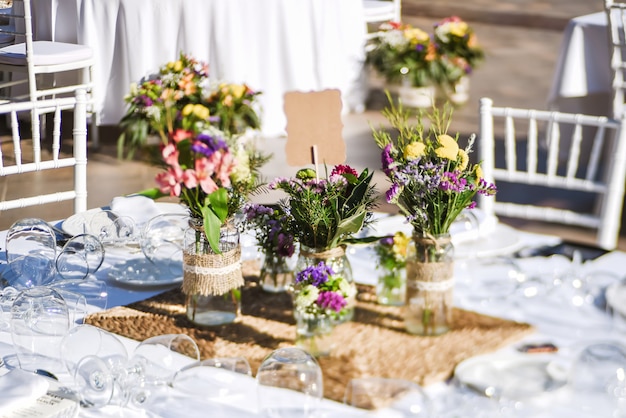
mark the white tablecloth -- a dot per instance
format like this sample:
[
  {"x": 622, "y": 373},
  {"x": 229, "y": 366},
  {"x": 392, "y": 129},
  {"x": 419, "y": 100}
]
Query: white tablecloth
[
  {"x": 582, "y": 79},
  {"x": 569, "y": 328},
  {"x": 273, "y": 45}
]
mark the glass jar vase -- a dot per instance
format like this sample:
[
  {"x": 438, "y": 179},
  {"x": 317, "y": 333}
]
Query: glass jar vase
[
  {"x": 337, "y": 260},
  {"x": 277, "y": 273},
  {"x": 314, "y": 333},
  {"x": 391, "y": 286},
  {"x": 429, "y": 285},
  {"x": 212, "y": 282}
]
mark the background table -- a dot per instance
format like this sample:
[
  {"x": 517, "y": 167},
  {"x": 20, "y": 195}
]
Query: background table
[
  {"x": 273, "y": 45},
  {"x": 582, "y": 79}
]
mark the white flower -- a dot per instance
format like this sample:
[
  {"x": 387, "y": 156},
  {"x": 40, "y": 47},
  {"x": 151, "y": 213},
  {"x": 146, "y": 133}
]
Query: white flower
[
  {"x": 307, "y": 296},
  {"x": 345, "y": 288},
  {"x": 395, "y": 38},
  {"x": 241, "y": 172}
]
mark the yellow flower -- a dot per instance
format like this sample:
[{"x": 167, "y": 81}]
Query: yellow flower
[
  {"x": 178, "y": 66},
  {"x": 202, "y": 112},
  {"x": 479, "y": 173},
  {"x": 414, "y": 150},
  {"x": 238, "y": 90},
  {"x": 188, "y": 109},
  {"x": 458, "y": 29},
  {"x": 449, "y": 149},
  {"x": 415, "y": 35},
  {"x": 241, "y": 170},
  {"x": 463, "y": 160},
  {"x": 400, "y": 244}
]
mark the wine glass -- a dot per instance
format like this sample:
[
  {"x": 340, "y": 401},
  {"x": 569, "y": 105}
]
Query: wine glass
[
  {"x": 81, "y": 256},
  {"x": 31, "y": 253},
  {"x": 95, "y": 292},
  {"x": 113, "y": 230},
  {"x": 96, "y": 360},
  {"x": 289, "y": 384},
  {"x": 154, "y": 364},
  {"x": 217, "y": 377},
  {"x": 388, "y": 396},
  {"x": 39, "y": 321},
  {"x": 162, "y": 241}
]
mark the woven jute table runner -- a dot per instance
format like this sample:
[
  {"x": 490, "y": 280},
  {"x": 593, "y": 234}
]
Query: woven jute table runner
[{"x": 373, "y": 344}]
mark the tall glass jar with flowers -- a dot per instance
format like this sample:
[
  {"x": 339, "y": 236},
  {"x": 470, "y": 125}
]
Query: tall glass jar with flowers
[
  {"x": 391, "y": 284},
  {"x": 321, "y": 297},
  {"x": 205, "y": 165},
  {"x": 324, "y": 214},
  {"x": 276, "y": 244},
  {"x": 432, "y": 181}
]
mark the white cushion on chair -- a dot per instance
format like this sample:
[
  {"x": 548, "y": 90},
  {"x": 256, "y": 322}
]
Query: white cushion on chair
[{"x": 46, "y": 53}]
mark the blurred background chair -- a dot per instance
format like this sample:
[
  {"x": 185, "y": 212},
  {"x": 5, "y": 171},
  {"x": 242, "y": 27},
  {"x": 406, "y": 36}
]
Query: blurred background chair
[
  {"x": 21, "y": 155},
  {"x": 32, "y": 70},
  {"x": 379, "y": 11},
  {"x": 616, "y": 18},
  {"x": 571, "y": 168}
]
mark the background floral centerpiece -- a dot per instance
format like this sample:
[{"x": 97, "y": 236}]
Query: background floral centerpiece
[
  {"x": 460, "y": 53},
  {"x": 325, "y": 213},
  {"x": 321, "y": 297},
  {"x": 391, "y": 252},
  {"x": 432, "y": 181},
  {"x": 276, "y": 244}
]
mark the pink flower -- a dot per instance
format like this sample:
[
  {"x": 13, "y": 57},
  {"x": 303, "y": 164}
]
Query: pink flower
[
  {"x": 343, "y": 169},
  {"x": 181, "y": 134},
  {"x": 204, "y": 171},
  {"x": 169, "y": 181},
  {"x": 190, "y": 179},
  {"x": 170, "y": 155}
]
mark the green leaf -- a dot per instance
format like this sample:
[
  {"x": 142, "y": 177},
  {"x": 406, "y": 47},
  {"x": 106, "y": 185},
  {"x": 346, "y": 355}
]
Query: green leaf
[
  {"x": 212, "y": 225},
  {"x": 349, "y": 226},
  {"x": 218, "y": 201}
]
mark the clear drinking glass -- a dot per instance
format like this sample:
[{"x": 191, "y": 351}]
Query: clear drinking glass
[
  {"x": 31, "y": 253},
  {"x": 81, "y": 256},
  {"x": 162, "y": 240},
  {"x": 39, "y": 321},
  {"x": 290, "y": 384}
]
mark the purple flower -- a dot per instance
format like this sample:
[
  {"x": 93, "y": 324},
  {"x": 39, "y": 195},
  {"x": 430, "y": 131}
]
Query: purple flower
[
  {"x": 207, "y": 145},
  {"x": 387, "y": 159},
  {"x": 388, "y": 241},
  {"x": 315, "y": 275},
  {"x": 392, "y": 193},
  {"x": 331, "y": 300}
]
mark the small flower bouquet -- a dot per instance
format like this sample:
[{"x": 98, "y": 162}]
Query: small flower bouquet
[
  {"x": 321, "y": 297},
  {"x": 391, "y": 252},
  {"x": 404, "y": 54},
  {"x": 155, "y": 102},
  {"x": 326, "y": 213},
  {"x": 432, "y": 181},
  {"x": 277, "y": 245},
  {"x": 457, "y": 42}
]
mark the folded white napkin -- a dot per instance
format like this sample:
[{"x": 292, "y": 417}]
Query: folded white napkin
[
  {"x": 140, "y": 208},
  {"x": 19, "y": 388}
]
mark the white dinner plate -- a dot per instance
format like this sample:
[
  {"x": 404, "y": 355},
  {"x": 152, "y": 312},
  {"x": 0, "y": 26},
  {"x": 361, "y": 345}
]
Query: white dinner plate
[
  {"x": 76, "y": 223},
  {"x": 141, "y": 272},
  {"x": 503, "y": 240},
  {"x": 514, "y": 376}
]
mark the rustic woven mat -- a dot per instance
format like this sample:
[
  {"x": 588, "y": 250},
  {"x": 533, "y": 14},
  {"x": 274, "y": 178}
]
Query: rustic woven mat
[{"x": 373, "y": 344}]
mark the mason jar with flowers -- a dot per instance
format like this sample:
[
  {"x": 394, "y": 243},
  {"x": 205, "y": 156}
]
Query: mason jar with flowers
[
  {"x": 407, "y": 58},
  {"x": 432, "y": 181},
  {"x": 321, "y": 298},
  {"x": 207, "y": 168},
  {"x": 391, "y": 284},
  {"x": 324, "y": 213},
  {"x": 276, "y": 244},
  {"x": 460, "y": 52}
]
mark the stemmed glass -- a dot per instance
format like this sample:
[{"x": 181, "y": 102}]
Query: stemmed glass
[
  {"x": 216, "y": 378},
  {"x": 162, "y": 241},
  {"x": 289, "y": 384},
  {"x": 81, "y": 256},
  {"x": 113, "y": 230},
  {"x": 31, "y": 253}
]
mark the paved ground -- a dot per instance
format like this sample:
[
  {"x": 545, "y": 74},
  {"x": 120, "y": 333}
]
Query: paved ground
[{"x": 521, "y": 39}]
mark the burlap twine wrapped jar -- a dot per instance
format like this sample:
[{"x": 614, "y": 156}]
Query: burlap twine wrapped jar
[{"x": 212, "y": 282}]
